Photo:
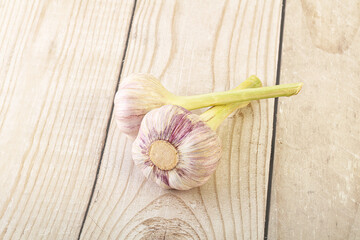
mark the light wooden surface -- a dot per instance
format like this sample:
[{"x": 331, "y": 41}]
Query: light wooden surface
[
  {"x": 316, "y": 185},
  {"x": 195, "y": 47},
  {"x": 59, "y": 65},
  {"x": 59, "y": 68}
]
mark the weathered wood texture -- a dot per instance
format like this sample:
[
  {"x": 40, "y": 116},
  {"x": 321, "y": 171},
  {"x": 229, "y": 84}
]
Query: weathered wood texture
[
  {"x": 195, "y": 47},
  {"x": 316, "y": 185},
  {"x": 59, "y": 64}
]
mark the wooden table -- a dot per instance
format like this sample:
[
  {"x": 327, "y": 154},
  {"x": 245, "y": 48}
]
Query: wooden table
[{"x": 290, "y": 168}]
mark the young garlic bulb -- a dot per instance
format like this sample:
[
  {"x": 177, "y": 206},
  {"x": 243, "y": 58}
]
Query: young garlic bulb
[
  {"x": 175, "y": 148},
  {"x": 137, "y": 95},
  {"x": 140, "y": 93},
  {"x": 180, "y": 150}
]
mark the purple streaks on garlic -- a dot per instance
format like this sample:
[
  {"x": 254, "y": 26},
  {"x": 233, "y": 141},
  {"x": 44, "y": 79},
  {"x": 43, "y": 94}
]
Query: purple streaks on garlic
[{"x": 197, "y": 147}]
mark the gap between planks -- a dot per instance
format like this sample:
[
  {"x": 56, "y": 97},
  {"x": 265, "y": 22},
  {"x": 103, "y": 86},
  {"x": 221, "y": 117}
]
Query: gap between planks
[
  {"x": 273, "y": 137},
  {"x": 108, "y": 122},
  {"x": 268, "y": 195}
]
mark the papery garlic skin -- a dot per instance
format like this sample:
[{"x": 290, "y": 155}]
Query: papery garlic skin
[
  {"x": 197, "y": 145},
  {"x": 137, "y": 95}
]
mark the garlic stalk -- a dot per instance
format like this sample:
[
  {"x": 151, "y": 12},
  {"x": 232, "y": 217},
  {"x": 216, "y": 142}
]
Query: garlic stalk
[
  {"x": 215, "y": 115},
  {"x": 140, "y": 93},
  {"x": 178, "y": 149}
]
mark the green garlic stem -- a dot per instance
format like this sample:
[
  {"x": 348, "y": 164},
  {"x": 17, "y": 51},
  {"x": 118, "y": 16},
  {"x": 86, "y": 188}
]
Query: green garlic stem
[
  {"x": 223, "y": 112},
  {"x": 217, "y": 114},
  {"x": 243, "y": 95},
  {"x": 251, "y": 82}
]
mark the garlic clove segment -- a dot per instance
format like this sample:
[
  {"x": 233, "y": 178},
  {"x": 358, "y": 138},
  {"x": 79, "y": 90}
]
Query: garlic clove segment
[{"x": 175, "y": 148}]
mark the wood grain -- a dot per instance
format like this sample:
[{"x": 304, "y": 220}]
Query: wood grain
[
  {"x": 316, "y": 185},
  {"x": 59, "y": 64},
  {"x": 195, "y": 47}
]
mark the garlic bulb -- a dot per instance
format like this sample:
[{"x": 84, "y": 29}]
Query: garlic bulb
[
  {"x": 180, "y": 150},
  {"x": 140, "y": 93},
  {"x": 175, "y": 148},
  {"x": 137, "y": 95}
]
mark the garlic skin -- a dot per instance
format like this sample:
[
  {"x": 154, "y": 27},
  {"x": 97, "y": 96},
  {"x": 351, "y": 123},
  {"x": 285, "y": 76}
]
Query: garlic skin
[
  {"x": 197, "y": 146},
  {"x": 137, "y": 95}
]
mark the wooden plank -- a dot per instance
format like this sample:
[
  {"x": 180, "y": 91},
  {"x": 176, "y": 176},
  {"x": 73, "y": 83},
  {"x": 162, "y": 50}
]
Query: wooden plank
[
  {"x": 316, "y": 185},
  {"x": 195, "y": 47},
  {"x": 59, "y": 65}
]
